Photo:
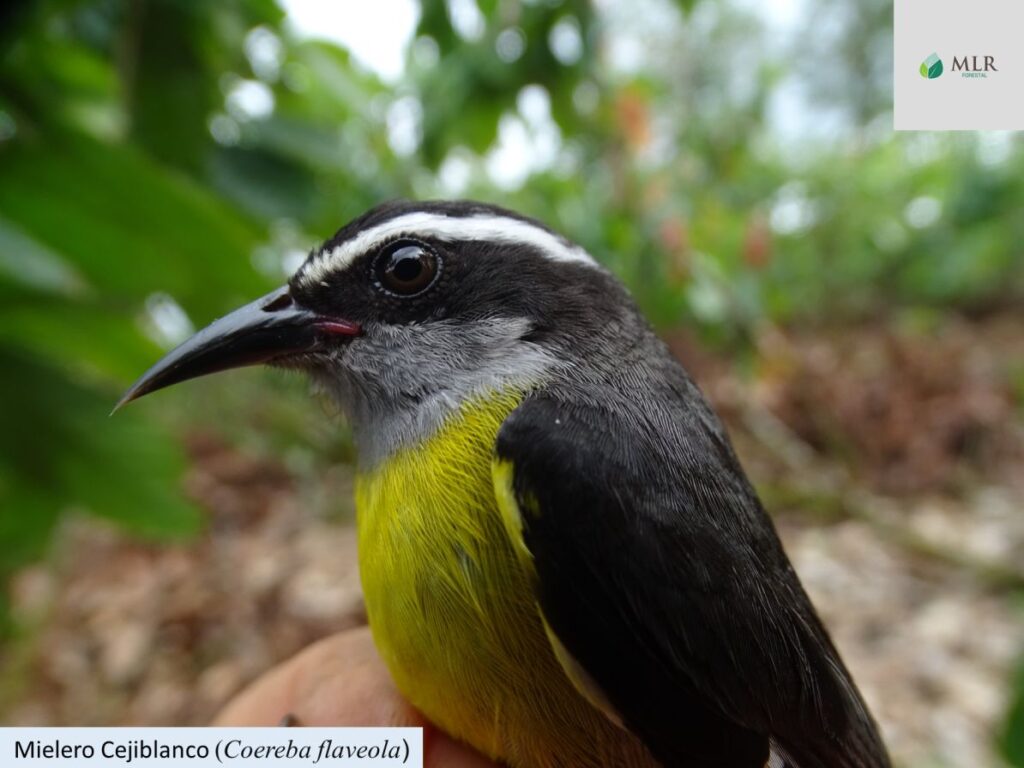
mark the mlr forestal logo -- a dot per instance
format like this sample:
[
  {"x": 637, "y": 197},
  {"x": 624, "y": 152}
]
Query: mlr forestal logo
[
  {"x": 967, "y": 66},
  {"x": 974, "y": 66}
]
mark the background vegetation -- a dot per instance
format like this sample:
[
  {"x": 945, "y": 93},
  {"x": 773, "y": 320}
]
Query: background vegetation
[{"x": 163, "y": 161}]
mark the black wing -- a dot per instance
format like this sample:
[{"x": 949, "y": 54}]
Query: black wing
[{"x": 661, "y": 574}]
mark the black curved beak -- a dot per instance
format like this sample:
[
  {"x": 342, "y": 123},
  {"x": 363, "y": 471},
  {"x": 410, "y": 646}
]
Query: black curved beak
[{"x": 274, "y": 326}]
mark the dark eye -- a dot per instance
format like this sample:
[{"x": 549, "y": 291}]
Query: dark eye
[{"x": 406, "y": 268}]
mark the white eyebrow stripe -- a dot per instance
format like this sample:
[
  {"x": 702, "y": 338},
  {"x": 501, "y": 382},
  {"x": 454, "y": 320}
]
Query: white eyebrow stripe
[{"x": 482, "y": 228}]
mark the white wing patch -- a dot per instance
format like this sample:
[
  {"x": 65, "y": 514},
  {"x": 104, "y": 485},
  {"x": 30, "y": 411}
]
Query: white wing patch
[
  {"x": 580, "y": 678},
  {"x": 502, "y": 472},
  {"x": 778, "y": 757},
  {"x": 483, "y": 228}
]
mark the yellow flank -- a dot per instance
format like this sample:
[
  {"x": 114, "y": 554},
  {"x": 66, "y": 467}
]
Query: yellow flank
[
  {"x": 504, "y": 496},
  {"x": 452, "y": 606}
]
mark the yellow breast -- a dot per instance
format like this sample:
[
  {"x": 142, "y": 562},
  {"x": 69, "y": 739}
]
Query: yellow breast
[{"x": 452, "y": 608}]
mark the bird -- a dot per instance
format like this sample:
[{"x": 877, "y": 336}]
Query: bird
[{"x": 563, "y": 561}]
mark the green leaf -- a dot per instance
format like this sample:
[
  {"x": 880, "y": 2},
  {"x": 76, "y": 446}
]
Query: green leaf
[
  {"x": 31, "y": 264},
  {"x": 128, "y": 226},
  {"x": 60, "y": 450},
  {"x": 171, "y": 90},
  {"x": 27, "y": 517},
  {"x": 127, "y": 470},
  {"x": 77, "y": 338}
]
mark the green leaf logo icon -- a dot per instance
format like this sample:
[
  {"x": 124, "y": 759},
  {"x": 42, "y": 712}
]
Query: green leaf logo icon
[{"x": 931, "y": 67}]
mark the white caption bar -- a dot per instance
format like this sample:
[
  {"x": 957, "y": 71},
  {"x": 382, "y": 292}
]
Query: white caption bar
[{"x": 208, "y": 747}]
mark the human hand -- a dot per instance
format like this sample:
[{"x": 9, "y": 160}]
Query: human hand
[{"x": 341, "y": 681}]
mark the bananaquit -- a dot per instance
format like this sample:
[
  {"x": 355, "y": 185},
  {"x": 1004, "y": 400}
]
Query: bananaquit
[{"x": 564, "y": 564}]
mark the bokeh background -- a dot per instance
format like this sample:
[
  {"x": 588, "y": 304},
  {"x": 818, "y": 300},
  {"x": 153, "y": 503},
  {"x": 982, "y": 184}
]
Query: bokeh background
[{"x": 850, "y": 298}]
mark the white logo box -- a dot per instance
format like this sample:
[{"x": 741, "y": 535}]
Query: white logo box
[{"x": 981, "y": 85}]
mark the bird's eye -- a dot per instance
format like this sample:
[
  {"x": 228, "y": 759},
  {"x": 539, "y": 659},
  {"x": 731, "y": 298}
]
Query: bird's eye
[{"x": 406, "y": 268}]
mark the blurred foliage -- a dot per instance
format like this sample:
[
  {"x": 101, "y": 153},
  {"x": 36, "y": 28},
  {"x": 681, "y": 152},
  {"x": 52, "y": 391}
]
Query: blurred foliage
[
  {"x": 1013, "y": 737},
  {"x": 160, "y": 155}
]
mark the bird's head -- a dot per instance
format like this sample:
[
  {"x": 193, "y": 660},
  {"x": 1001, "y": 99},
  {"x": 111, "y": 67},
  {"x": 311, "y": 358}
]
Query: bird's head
[{"x": 414, "y": 308}]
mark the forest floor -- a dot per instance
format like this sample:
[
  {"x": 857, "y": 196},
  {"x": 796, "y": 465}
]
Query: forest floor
[{"x": 890, "y": 460}]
